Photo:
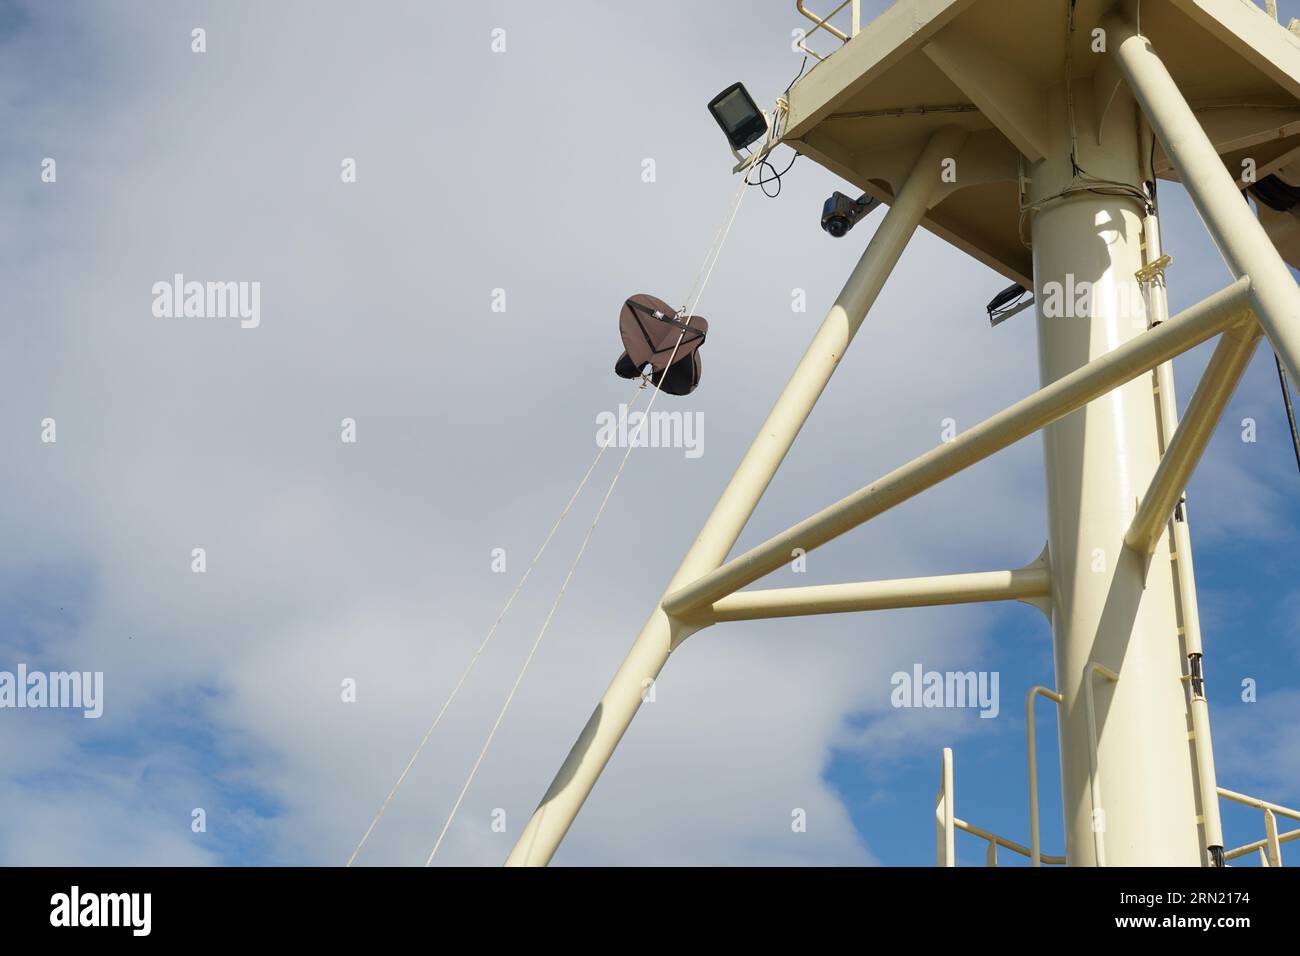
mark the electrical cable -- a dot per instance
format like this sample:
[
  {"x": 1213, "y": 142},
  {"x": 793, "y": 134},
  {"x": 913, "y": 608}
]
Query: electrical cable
[
  {"x": 775, "y": 177},
  {"x": 1290, "y": 408}
]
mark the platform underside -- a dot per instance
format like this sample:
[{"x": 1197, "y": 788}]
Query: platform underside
[{"x": 989, "y": 65}]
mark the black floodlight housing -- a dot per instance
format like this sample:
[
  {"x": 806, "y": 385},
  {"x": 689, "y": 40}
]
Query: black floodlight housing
[
  {"x": 1008, "y": 302},
  {"x": 1276, "y": 193},
  {"x": 840, "y": 213},
  {"x": 736, "y": 112}
]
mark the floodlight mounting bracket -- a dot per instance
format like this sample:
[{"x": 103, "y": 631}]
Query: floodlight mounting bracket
[{"x": 769, "y": 143}]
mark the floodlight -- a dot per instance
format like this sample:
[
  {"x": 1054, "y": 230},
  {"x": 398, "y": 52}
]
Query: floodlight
[
  {"x": 739, "y": 116},
  {"x": 1008, "y": 302}
]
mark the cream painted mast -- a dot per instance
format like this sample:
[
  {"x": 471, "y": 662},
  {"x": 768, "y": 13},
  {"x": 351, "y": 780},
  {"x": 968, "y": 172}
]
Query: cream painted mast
[{"x": 1022, "y": 131}]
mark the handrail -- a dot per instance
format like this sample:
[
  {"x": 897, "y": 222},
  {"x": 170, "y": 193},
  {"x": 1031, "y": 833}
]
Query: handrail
[
  {"x": 945, "y": 852},
  {"x": 1270, "y": 848},
  {"x": 1259, "y": 804},
  {"x": 995, "y": 840},
  {"x": 947, "y": 823},
  {"x": 1261, "y": 845},
  {"x": 1035, "y": 856},
  {"x": 1094, "y": 782},
  {"x": 823, "y": 23}
]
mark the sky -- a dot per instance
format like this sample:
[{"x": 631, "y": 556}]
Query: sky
[{"x": 347, "y": 583}]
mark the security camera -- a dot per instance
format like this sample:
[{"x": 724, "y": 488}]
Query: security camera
[{"x": 840, "y": 213}]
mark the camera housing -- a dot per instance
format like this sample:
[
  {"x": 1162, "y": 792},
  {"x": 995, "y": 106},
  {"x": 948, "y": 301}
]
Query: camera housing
[{"x": 840, "y": 213}]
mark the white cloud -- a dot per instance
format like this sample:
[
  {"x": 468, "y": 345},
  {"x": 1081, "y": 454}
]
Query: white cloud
[{"x": 328, "y": 561}]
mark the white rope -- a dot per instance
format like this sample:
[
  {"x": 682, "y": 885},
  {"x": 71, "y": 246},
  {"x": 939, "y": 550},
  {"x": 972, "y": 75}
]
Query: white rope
[
  {"x": 717, "y": 253},
  {"x": 707, "y": 271},
  {"x": 474, "y": 659},
  {"x": 720, "y": 237}
]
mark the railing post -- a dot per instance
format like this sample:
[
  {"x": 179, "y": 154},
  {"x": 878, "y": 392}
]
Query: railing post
[
  {"x": 1274, "y": 846},
  {"x": 1094, "y": 777},
  {"x": 944, "y": 828},
  {"x": 1031, "y": 732}
]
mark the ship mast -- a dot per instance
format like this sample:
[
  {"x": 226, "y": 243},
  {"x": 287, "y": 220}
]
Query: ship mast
[{"x": 1030, "y": 133}]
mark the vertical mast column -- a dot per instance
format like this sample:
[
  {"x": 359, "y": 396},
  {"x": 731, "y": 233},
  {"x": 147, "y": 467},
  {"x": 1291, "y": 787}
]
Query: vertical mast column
[{"x": 1106, "y": 608}]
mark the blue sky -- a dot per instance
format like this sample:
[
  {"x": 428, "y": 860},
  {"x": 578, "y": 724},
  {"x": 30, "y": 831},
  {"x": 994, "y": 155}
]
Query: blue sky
[{"x": 371, "y": 563}]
